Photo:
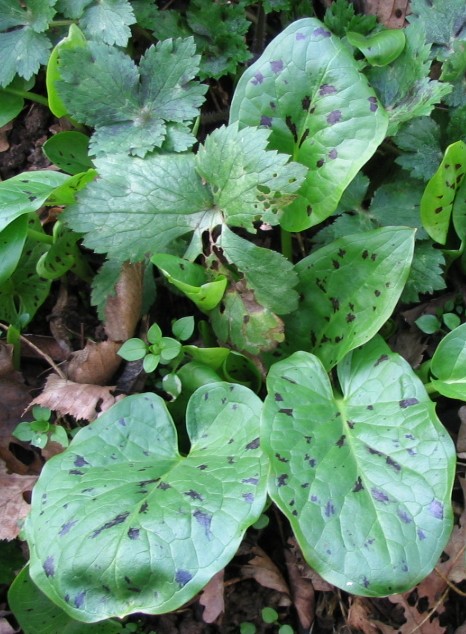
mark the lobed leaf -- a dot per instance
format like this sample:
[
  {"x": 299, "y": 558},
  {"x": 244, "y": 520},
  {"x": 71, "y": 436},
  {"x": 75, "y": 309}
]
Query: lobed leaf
[
  {"x": 132, "y": 108},
  {"x": 349, "y": 289},
  {"x": 364, "y": 477},
  {"x": 121, "y": 523},
  {"x": 331, "y": 121}
]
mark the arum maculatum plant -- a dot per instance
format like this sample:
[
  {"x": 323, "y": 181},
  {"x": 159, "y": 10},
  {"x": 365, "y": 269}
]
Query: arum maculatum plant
[{"x": 343, "y": 438}]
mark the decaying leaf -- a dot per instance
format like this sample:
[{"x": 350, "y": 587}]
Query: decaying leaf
[
  {"x": 212, "y": 598},
  {"x": 416, "y": 621},
  {"x": 360, "y": 616},
  {"x": 80, "y": 400},
  {"x": 5, "y": 627},
  {"x": 123, "y": 310},
  {"x": 264, "y": 571},
  {"x": 302, "y": 589},
  {"x": 95, "y": 364},
  {"x": 13, "y": 507},
  {"x": 390, "y": 12}
]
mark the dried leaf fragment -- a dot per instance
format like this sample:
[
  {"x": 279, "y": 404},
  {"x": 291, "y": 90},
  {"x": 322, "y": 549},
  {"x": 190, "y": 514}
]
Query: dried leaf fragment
[
  {"x": 13, "y": 507},
  {"x": 212, "y": 598}
]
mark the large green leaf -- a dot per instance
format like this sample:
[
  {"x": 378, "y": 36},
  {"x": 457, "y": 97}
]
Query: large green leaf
[
  {"x": 121, "y": 523},
  {"x": 364, "y": 477},
  {"x": 449, "y": 364},
  {"x": 349, "y": 289},
  {"x": 306, "y": 88}
]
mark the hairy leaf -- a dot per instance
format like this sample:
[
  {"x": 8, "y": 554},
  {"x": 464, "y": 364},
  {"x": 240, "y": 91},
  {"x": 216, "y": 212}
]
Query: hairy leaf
[
  {"x": 340, "y": 17},
  {"x": 121, "y": 523},
  {"x": 331, "y": 121},
  {"x": 132, "y": 108},
  {"x": 141, "y": 206},
  {"x": 109, "y": 21},
  {"x": 443, "y": 22},
  {"x": 364, "y": 477},
  {"x": 349, "y": 288}
]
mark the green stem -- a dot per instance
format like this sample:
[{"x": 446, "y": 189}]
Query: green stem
[
  {"x": 25, "y": 94},
  {"x": 13, "y": 337},
  {"x": 287, "y": 247},
  {"x": 54, "y": 23},
  {"x": 39, "y": 236}
]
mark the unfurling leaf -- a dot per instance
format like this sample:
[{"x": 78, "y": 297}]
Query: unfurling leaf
[{"x": 364, "y": 477}]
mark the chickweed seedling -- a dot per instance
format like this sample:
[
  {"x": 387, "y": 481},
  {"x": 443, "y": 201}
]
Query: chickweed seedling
[{"x": 40, "y": 430}]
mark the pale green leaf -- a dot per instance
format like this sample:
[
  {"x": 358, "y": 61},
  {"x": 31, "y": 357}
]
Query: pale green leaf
[
  {"x": 380, "y": 49},
  {"x": 163, "y": 524},
  {"x": 330, "y": 121},
  {"x": 10, "y": 107},
  {"x": 349, "y": 289},
  {"x": 448, "y": 365},
  {"x": 364, "y": 477}
]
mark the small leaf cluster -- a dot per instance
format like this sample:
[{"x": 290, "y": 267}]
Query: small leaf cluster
[{"x": 40, "y": 430}]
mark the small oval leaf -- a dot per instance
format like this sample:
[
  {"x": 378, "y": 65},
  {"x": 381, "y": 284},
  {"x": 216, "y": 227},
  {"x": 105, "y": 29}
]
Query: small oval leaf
[{"x": 449, "y": 365}]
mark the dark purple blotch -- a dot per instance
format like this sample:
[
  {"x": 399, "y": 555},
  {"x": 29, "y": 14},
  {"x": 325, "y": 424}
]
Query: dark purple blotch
[
  {"x": 322, "y": 32},
  {"x": 182, "y": 577},
  {"x": 392, "y": 463},
  {"x": 329, "y": 509},
  {"x": 341, "y": 441},
  {"x": 320, "y": 162},
  {"x": 79, "y": 599},
  {"x": 327, "y": 89},
  {"x": 253, "y": 481},
  {"x": 254, "y": 444},
  {"x": 365, "y": 582},
  {"x": 436, "y": 509},
  {"x": 379, "y": 495},
  {"x": 133, "y": 533},
  {"x": 80, "y": 461},
  {"x": 334, "y": 117},
  {"x": 314, "y": 498},
  {"x": 266, "y": 121},
  {"x": 163, "y": 486},
  {"x": 75, "y": 472},
  {"x": 358, "y": 485},
  {"x": 408, "y": 402},
  {"x": 257, "y": 79},
  {"x": 144, "y": 508},
  {"x": 404, "y": 516},
  {"x": 248, "y": 497},
  {"x": 205, "y": 520},
  {"x": 301, "y": 36},
  {"x": 276, "y": 65},
  {"x": 118, "y": 519},
  {"x": 282, "y": 480},
  {"x": 49, "y": 566},
  {"x": 122, "y": 422},
  {"x": 333, "y": 154},
  {"x": 373, "y": 104},
  {"x": 66, "y": 527},
  {"x": 194, "y": 495},
  {"x": 381, "y": 359},
  {"x": 286, "y": 410},
  {"x": 421, "y": 534}
]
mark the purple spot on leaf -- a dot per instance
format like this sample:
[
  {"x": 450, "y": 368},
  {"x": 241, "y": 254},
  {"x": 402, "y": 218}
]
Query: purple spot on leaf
[
  {"x": 436, "y": 509},
  {"x": 373, "y": 104},
  {"x": 301, "y": 36},
  {"x": 182, "y": 577},
  {"x": 118, "y": 519},
  {"x": 314, "y": 498},
  {"x": 282, "y": 480},
  {"x": 266, "y": 121},
  {"x": 250, "y": 481},
  {"x": 80, "y": 461},
  {"x": 334, "y": 117},
  {"x": 79, "y": 599},
  {"x": 327, "y": 89},
  {"x": 329, "y": 509},
  {"x": 379, "y": 495},
  {"x": 333, "y": 154},
  {"x": 133, "y": 533},
  {"x": 408, "y": 402},
  {"x": 205, "y": 520},
  {"x": 286, "y": 410},
  {"x": 320, "y": 162},
  {"x": 163, "y": 486},
  {"x": 421, "y": 534},
  {"x": 49, "y": 566},
  {"x": 322, "y": 32},
  {"x": 254, "y": 444},
  {"x": 393, "y": 464},
  {"x": 257, "y": 79},
  {"x": 248, "y": 497},
  {"x": 194, "y": 495},
  {"x": 66, "y": 527},
  {"x": 276, "y": 65},
  {"x": 404, "y": 517}
]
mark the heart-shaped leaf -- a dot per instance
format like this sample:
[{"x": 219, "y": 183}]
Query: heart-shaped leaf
[
  {"x": 449, "y": 364},
  {"x": 364, "y": 477},
  {"x": 306, "y": 88},
  {"x": 121, "y": 523},
  {"x": 349, "y": 289}
]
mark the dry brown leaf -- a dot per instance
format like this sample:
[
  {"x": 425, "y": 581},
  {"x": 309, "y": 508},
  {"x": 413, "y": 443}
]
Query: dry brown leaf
[
  {"x": 361, "y": 616},
  {"x": 307, "y": 572},
  {"x": 12, "y": 505},
  {"x": 461, "y": 439},
  {"x": 264, "y": 571},
  {"x": 123, "y": 311},
  {"x": 5, "y": 627},
  {"x": 80, "y": 400},
  {"x": 461, "y": 629},
  {"x": 390, "y": 12},
  {"x": 425, "y": 622},
  {"x": 95, "y": 364},
  {"x": 302, "y": 590},
  {"x": 213, "y": 598},
  {"x": 4, "y": 143}
]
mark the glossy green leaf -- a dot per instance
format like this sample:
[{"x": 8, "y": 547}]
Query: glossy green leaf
[
  {"x": 69, "y": 151},
  {"x": 330, "y": 120},
  {"x": 37, "y": 614},
  {"x": 62, "y": 256},
  {"x": 213, "y": 357},
  {"x": 364, "y": 477},
  {"x": 349, "y": 289},
  {"x": 26, "y": 192},
  {"x": 448, "y": 365},
  {"x": 74, "y": 39},
  {"x": 121, "y": 523},
  {"x": 183, "y": 328},
  {"x": 66, "y": 194},
  {"x": 459, "y": 211},
  {"x": 440, "y": 192},
  {"x": 133, "y": 349},
  {"x": 10, "y": 107},
  {"x": 428, "y": 324},
  {"x": 192, "y": 280},
  {"x": 380, "y": 49},
  {"x": 12, "y": 240}
]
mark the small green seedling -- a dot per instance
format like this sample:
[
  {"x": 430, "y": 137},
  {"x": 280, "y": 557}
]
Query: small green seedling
[
  {"x": 40, "y": 430},
  {"x": 269, "y": 616},
  {"x": 445, "y": 320}
]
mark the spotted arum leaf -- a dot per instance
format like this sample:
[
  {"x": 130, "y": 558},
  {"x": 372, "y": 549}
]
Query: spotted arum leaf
[
  {"x": 439, "y": 195},
  {"x": 364, "y": 476},
  {"x": 133, "y": 109},
  {"x": 449, "y": 365},
  {"x": 120, "y": 522},
  {"x": 349, "y": 289},
  {"x": 140, "y": 206},
  {"x": 307, "y": 89}
]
